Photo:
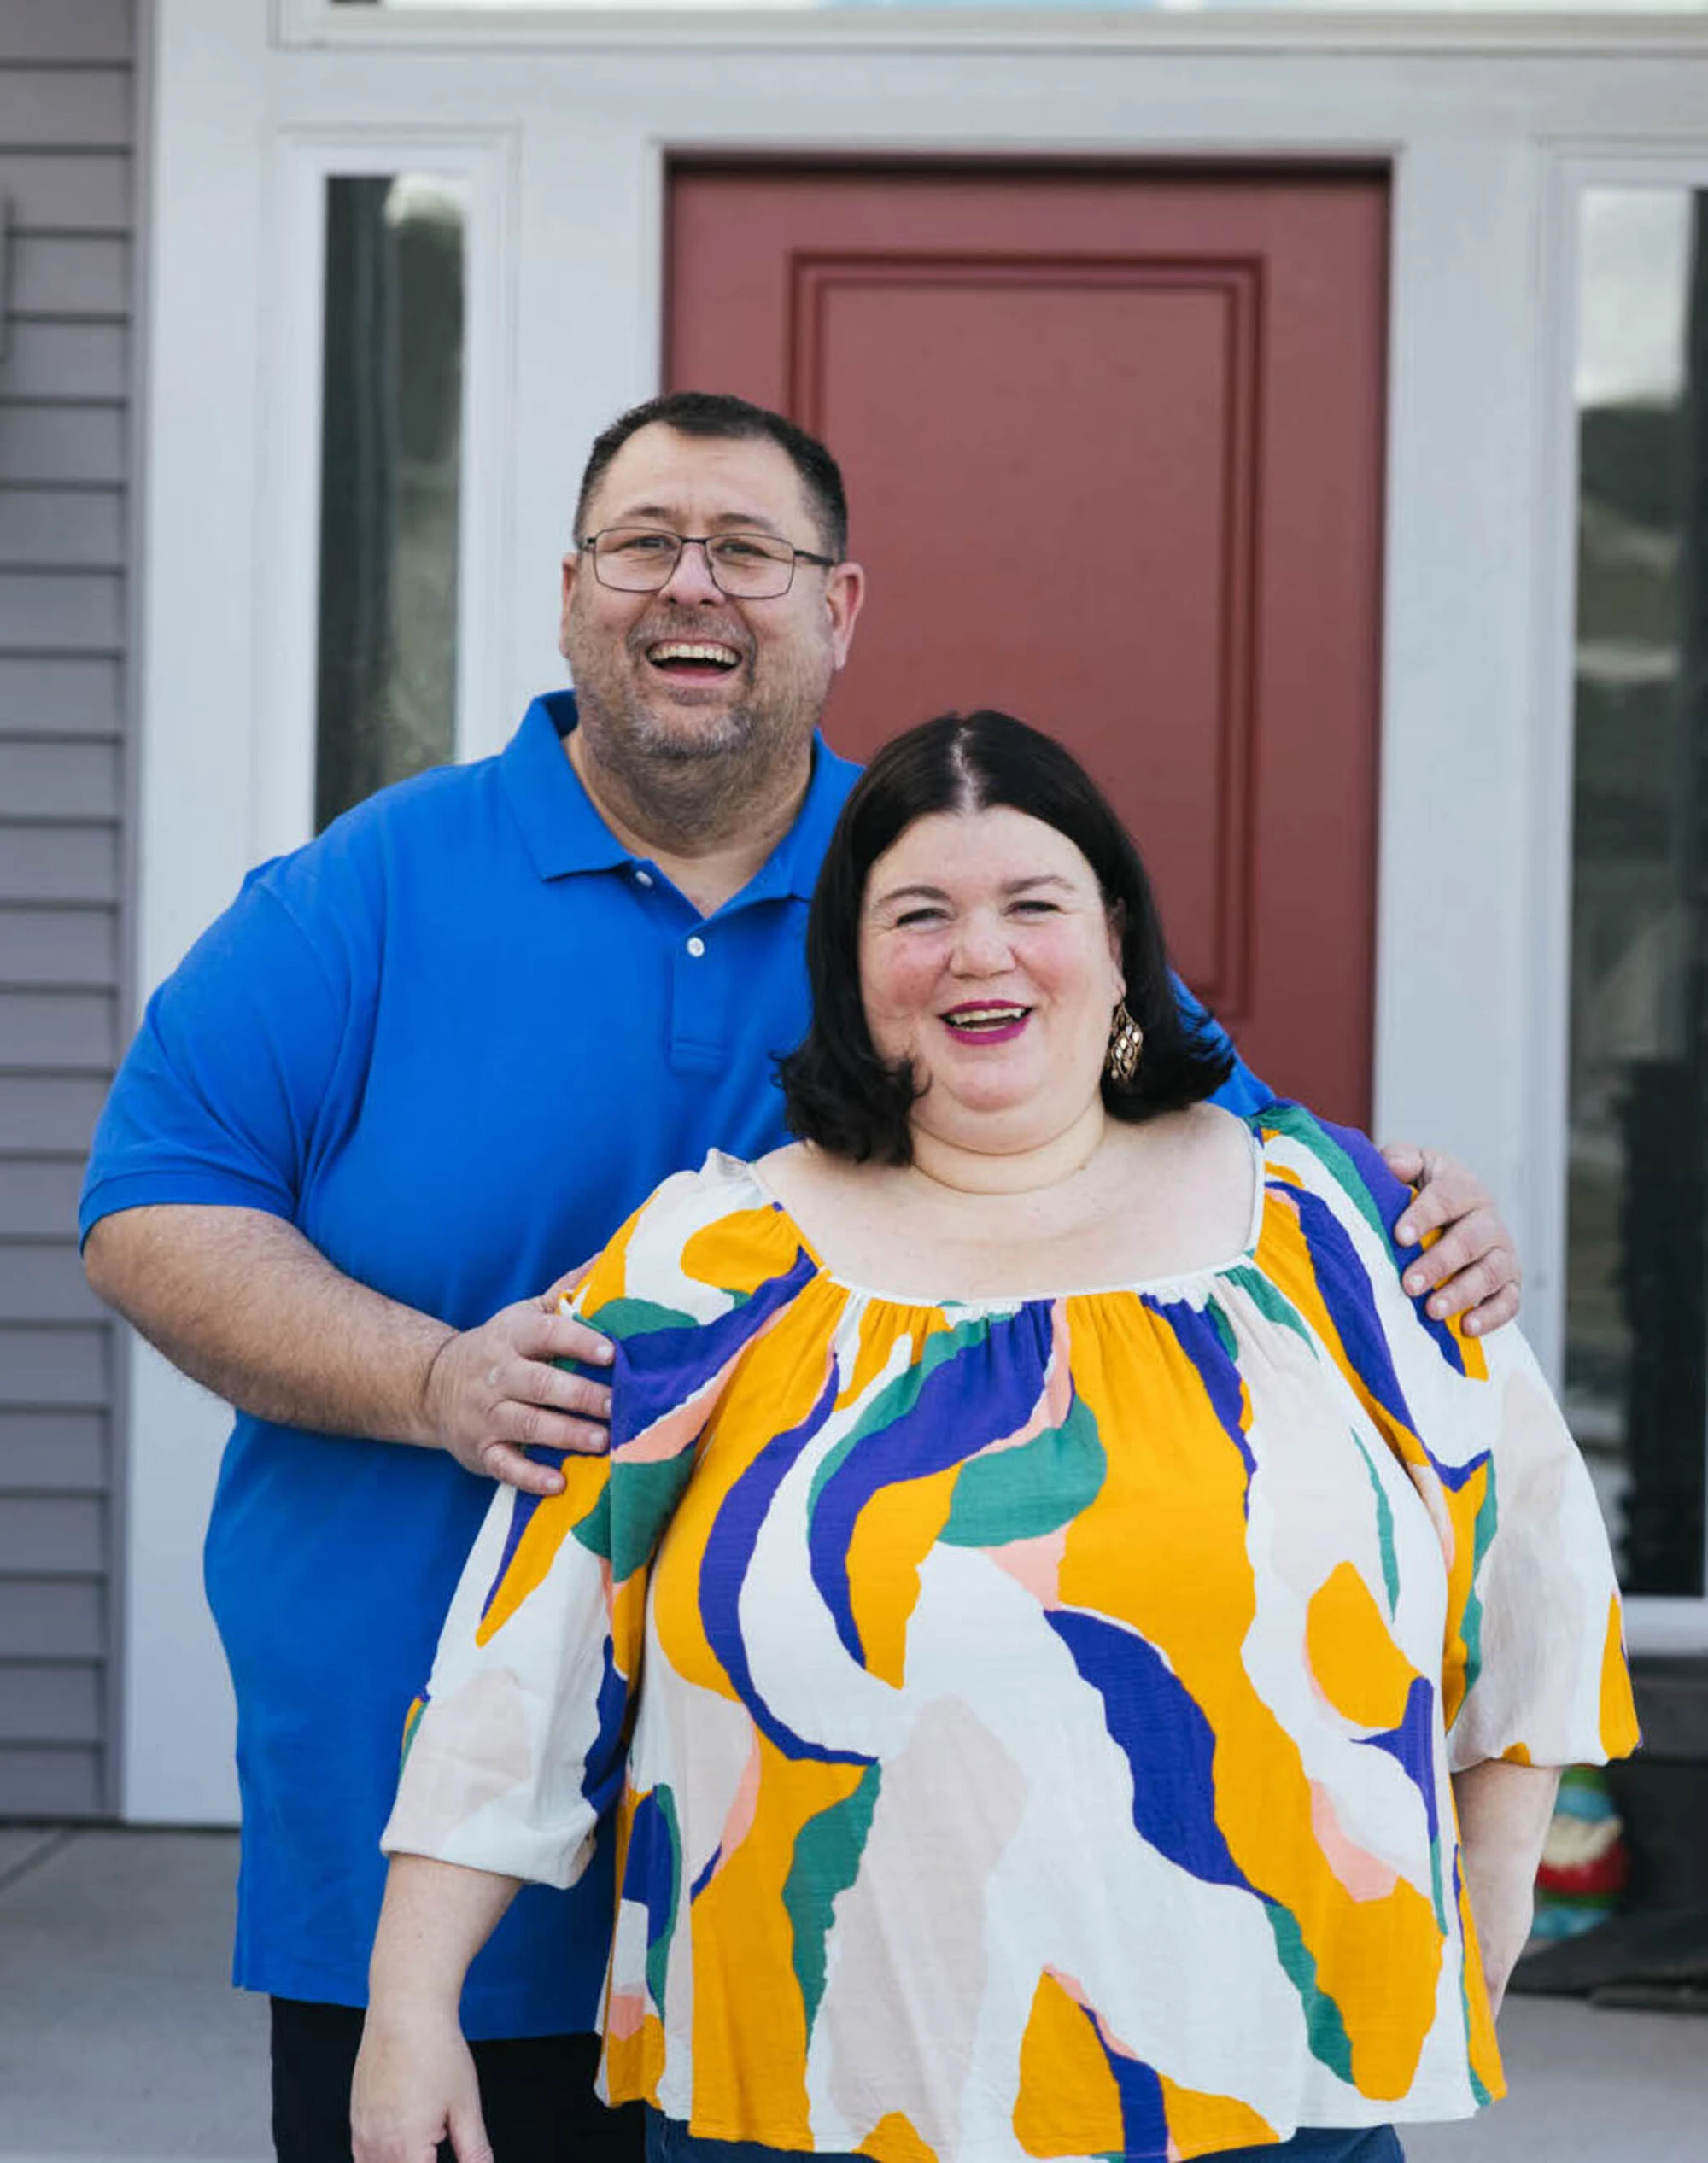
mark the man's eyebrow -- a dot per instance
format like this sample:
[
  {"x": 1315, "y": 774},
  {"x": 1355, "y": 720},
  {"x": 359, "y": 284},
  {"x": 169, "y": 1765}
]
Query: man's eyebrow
[{"x": 663, "y": 514}]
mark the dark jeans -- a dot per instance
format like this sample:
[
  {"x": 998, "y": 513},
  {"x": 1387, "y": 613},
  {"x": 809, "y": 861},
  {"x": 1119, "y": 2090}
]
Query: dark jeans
[
  {"x": 668, "y": 2141},
  {"x": 536, "y": 2094}
]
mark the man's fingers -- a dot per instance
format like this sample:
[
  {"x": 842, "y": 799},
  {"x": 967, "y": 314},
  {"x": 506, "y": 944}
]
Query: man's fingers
[
  {"x": 566, "y": 1286},
  {"x": 527, "y": 1382},
  {"x": 1469, "y": 1289},
  {"x": 1405, "y": 1159},
  {"x": 519, "y": 1426},
  {"x": 495, "y": 1391},
  {"x": 1448, "y": 1195},
  {"x": 513, "y": 1467},
  {"x": 559, "y": 1336},
  {"x": 1488, "y": 1287},
  {"x": 1494, "y": 1313},
  {"x": 538, "y": 1427},
  {"x": 1461, "y": 1245}
]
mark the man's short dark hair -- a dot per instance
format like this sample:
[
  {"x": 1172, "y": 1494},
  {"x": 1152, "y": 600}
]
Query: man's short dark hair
[
  {"x": 838, "y": 1092},
  {"x": 718, "y": 417}
]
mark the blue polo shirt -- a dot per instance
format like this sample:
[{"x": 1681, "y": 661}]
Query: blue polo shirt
[{"x": 455, "y": 1040}]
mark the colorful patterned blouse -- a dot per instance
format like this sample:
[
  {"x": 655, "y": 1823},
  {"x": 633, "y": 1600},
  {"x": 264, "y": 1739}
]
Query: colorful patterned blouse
[{"x": 1042, "y": 1709}]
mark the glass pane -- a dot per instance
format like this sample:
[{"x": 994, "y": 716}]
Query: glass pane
[
  {"x": 1637, "y": 1226},
  {"x": 390, "y": 457}
]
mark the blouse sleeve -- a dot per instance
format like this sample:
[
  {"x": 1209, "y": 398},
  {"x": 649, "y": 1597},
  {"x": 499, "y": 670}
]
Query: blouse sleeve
[
  {"x": 1532, "y": 1663},
  {"x": 1534, "y": 1669},
  {"x": 514, "y": 1751}
]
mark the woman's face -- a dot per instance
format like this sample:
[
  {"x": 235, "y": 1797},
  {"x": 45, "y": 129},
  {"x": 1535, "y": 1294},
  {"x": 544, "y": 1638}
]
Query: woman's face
[{"x": 987, "y": 958}]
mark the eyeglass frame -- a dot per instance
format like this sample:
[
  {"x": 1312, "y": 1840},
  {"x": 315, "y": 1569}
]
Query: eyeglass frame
[{"x": 588, "y": 546}]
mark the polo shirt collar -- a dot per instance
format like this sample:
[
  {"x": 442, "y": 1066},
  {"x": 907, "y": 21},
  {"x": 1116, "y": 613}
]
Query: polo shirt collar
[
  {"x": 791, "y": 868},
  {"x": 564, "y": 833}
]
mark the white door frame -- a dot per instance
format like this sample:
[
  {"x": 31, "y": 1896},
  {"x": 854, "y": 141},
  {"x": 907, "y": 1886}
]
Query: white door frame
[{"x": 562, "y": 131}]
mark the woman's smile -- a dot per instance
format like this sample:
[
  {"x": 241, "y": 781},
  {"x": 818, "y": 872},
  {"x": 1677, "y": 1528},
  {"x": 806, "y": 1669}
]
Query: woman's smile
[{"x": 986, "y": 1022}]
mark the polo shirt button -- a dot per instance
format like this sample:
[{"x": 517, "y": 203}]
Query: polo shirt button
[
  {"x": 643, "y": 878},
  {"x": 696, "y": 947}
]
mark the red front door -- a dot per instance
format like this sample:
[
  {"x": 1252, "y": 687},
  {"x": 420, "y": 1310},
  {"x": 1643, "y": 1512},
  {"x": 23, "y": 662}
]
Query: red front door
[{"x": 1113, "y": 441}]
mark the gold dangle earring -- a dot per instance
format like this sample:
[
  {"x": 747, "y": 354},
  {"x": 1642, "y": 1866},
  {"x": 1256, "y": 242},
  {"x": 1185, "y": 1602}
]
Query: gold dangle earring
[{"x": 1127, "y": 1041}]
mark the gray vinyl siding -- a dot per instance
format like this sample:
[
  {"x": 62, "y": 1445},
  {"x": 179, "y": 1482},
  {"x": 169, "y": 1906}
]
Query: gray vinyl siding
[{"x": 67, "y": 104}]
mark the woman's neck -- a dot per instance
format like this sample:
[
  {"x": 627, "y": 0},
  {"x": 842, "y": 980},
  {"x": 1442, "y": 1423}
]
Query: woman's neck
[{"x": 1031, "y": 1169}]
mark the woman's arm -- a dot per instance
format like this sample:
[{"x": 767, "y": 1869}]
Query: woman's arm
[
  {"x": 415, "y": 2081},
  {"x": 1503, "y": 1820}
]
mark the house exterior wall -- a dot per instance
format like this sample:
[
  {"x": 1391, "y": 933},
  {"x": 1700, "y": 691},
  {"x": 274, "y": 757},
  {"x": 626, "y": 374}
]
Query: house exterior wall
[
  {"x": 67, "y": 165},
  {"x": 253, "y": 112}
]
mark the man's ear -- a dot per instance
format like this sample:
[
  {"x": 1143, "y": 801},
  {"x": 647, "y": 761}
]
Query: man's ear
[
  {"x": 845, "y": 595},
  {"x": 570, "y": 574}
]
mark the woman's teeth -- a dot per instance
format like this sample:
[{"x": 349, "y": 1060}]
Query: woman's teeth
[{"x": 985, "y": 1017}]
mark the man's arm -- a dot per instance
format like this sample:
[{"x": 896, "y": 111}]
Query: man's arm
[
  {"x": 1473, "y": 1267},
  {"x": 244, "y": 1304}
]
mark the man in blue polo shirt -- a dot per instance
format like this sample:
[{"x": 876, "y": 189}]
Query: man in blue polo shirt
[{"x": 415, "y": 1071}]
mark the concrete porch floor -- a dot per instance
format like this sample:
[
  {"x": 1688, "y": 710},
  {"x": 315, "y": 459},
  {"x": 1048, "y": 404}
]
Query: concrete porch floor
[{"x": 120, "y": 2041}]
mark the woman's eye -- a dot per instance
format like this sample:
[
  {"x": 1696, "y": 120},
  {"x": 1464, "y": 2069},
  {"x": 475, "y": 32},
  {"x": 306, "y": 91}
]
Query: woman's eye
[
  {"x": 1034, "y": 908},
  {"x": 910, "y": 919}
]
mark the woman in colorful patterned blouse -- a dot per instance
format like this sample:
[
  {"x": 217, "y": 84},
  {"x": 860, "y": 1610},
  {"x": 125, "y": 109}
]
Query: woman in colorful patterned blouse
[{"x": 1076, "y": 1652}]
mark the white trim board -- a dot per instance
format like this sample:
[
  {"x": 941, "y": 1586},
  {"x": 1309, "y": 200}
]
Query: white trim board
[{"x": 1159, "y": 27}]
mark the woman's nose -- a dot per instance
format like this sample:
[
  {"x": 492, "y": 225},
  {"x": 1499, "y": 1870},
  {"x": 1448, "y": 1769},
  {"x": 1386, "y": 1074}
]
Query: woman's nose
[{"x": 983, "y": 948}]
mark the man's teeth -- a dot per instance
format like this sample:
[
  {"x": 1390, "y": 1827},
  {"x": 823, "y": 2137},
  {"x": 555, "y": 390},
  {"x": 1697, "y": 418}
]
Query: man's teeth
[{"x": 726, "y": 657}]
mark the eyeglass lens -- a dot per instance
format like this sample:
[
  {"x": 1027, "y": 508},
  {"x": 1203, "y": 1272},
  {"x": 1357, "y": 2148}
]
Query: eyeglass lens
[{"x": 639, "y": 559}]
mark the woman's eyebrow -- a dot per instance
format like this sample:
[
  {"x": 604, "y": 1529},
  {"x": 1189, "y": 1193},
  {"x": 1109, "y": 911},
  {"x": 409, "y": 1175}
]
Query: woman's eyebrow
[
  {"x": 1040, "y": 879},
  {"x": 908, "y": 893},
  {"x": 920, "y": 891}
]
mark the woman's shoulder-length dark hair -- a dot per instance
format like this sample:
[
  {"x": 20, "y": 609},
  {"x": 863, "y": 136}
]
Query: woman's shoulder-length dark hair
[{"x": 837, "y": 1091}]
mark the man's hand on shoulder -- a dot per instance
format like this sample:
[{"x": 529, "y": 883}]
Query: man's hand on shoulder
[
  {"x": 244, "y": 1304},
  {"x": 493, "y": 1392},
  {"x": 1472, "y": 1268}
]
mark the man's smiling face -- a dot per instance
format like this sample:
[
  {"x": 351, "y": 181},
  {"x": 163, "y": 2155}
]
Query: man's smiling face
[{"x": 688, "y": 672}]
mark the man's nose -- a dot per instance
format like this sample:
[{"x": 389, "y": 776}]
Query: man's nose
[{"x": 691, "y": 579}]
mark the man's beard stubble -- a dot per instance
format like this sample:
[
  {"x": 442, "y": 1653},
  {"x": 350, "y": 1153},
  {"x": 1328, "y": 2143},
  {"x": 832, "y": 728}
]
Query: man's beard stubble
[{"x": 693, "y": 775}]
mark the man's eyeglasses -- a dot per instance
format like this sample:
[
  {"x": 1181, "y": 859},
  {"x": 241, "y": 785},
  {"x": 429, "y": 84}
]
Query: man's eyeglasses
[{"x": 747, "y": 566}]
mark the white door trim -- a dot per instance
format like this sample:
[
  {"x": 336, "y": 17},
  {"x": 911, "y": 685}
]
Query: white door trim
[{"x": 1387, "y": 28}]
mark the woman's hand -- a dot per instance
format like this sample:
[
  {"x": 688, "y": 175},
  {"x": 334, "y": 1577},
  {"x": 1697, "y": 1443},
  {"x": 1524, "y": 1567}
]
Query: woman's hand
[
  {"x": 415, "y": 2081},
  {"x": 415, "y": 2085}
]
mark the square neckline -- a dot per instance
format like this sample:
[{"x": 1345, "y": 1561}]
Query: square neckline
[{"x": 1006, "y": 1302}]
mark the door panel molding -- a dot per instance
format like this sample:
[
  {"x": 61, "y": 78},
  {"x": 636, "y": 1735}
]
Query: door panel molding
[
  {"x": 1115, "y": 331},
  {"x": 1222, "y": 952}
]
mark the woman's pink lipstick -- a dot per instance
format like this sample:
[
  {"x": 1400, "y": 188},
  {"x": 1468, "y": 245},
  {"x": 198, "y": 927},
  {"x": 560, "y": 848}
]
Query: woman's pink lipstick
[{"x": 993, "y": 1032}]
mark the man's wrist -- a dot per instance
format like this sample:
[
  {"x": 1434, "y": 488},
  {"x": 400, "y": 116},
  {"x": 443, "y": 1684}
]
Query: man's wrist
[{"x": 427, "y": 1423}]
